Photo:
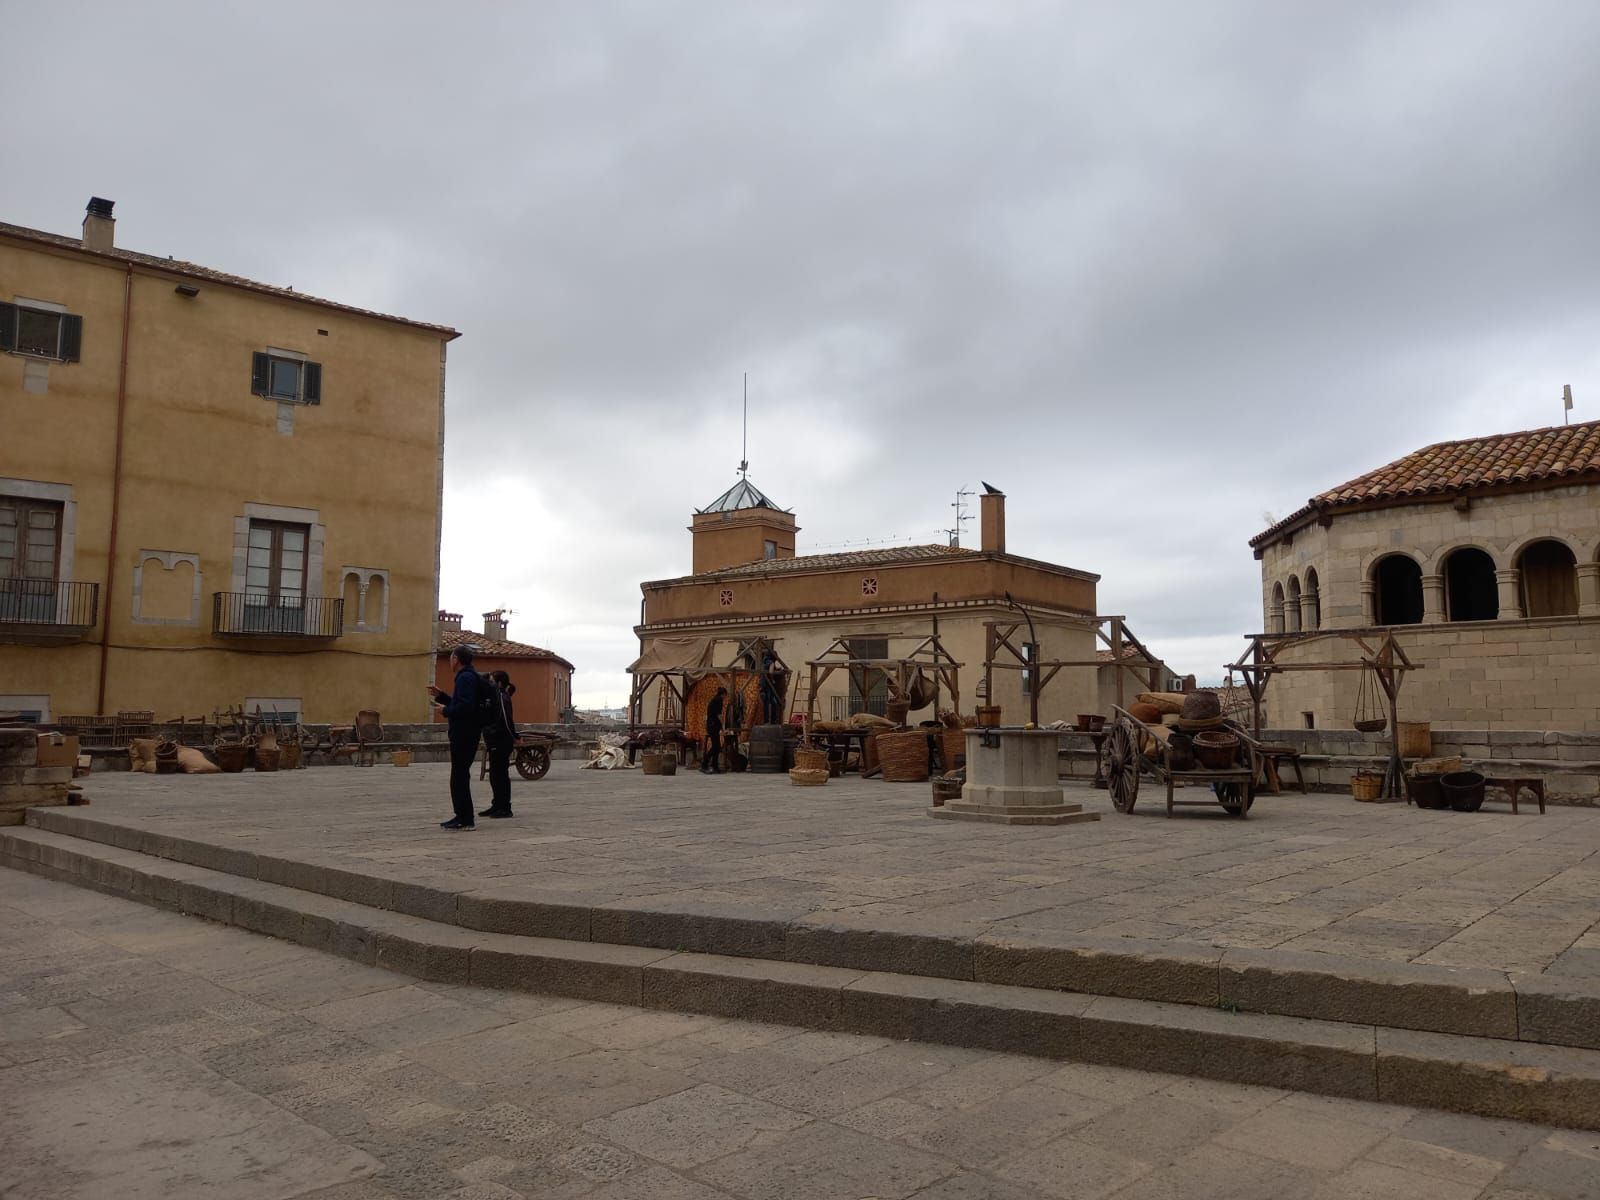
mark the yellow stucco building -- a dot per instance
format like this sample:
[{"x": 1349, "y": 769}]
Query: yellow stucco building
[
  {"x": 748, "y": 582},
  {"x": 212, "y": 491}
]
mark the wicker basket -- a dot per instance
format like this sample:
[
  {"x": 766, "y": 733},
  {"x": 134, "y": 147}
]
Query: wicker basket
[
  {"x": 952, "y": 748},
  {"x": 904, "y": 756},
  {"x": 400, "y": 758},
  {"x": 802, "y": 778},
  {"x": 266, "y": 760},
  {"x": 652, "y": 762},
  {"x": 810, "y": 760},
  {"x": 1415, "y": 738},
  {"x": 1366, "y": 785},
  {"x": 897, "y": 710},
  {"x": 1215, "y": 749},
  {"x": 232, "y": 756}
]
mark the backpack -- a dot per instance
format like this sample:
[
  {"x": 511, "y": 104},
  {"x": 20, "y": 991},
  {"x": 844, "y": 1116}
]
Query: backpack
[{"x": 488, "y": 703}]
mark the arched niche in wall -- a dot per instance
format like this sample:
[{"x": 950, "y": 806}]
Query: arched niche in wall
[
  {"x": 1275, "y": 613},
  {"x": 1397, "y": 590},
  {"x": 1549, "y": 572},
  {"x": 1313, "y": 600},
  {"x": 1471, "y": 593}
]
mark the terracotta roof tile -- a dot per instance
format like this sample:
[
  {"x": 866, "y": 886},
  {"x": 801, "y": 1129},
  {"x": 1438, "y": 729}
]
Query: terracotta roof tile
[
  {"x": 851, "y": 558},
  {"x": 450, "y": 639},
  {"x": 1555, "y": 455},
  {"x": 196, "y": 271}
]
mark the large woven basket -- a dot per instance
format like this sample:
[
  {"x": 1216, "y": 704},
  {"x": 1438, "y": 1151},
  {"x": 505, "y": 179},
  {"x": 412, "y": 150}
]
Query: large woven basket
[
  {"x": 808, "y": 778},
  {"x": 1366, "y": 785},
  {"x": 652, "y": 762},
  {"x": 810, "y": 760},
  {"x": 953, "y": 748},
  {"x": 904, "y": 756}
]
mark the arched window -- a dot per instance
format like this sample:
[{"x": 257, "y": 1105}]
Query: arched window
[
  {"x": 1549, "y": 580},
  {"x": 1291, "y": 607},
  {"x": 1314, "y": 597},
  {"x": 1275, "y": 614},
  {"x": 1471, "y": 593},
  {"x": 1398, "y": 597}
]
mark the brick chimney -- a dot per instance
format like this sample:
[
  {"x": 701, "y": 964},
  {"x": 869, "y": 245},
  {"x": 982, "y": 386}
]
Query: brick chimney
[
  {"x": 494, "y": 625},
  {"x": 449, "y": 622},
  {"x": 98, "y": 225},
  {"x": 992, "y": 520}
]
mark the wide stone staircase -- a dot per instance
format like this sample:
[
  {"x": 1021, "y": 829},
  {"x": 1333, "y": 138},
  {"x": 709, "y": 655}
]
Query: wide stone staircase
[{"x": 1465, "y": 1039}]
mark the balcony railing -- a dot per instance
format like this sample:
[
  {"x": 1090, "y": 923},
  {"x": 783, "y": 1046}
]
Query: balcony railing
[
  {"x": 242, "y": 614},
  {"x": 47, "y": 608}
]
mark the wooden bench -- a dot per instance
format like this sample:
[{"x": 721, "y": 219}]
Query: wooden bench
[
  {"x": 1513, "y": 784},
  {"x": 1271, "y": 757}
]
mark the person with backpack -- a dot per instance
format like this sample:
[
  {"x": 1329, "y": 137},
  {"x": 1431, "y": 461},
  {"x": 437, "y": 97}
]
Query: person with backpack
[
  {"x": 500, "y": 735},
  {"x": 466, "y": 709}
]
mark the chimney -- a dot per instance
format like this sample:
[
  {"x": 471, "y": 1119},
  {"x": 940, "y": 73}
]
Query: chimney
[
  {"x": 992, "y": 520},
  {"x": 449, "y": 622},
  {"x": 98, "y": 226},
  {"x": 494, "y": 625}
]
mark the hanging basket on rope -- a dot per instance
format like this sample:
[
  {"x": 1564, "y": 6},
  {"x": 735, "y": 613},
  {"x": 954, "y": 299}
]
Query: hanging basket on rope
[{"x": 1370, "y": 717}]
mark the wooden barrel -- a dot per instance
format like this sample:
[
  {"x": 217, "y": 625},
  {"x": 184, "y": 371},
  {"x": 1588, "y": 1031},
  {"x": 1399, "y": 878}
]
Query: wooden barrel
[
  {"x": 1415, "y": 739},
  {"x": 652, "y": 762},
  {"x": 766, "y": 749}
]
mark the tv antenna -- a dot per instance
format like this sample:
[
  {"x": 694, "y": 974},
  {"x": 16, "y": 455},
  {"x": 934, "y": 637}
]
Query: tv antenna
[
  {"x": 744, "y": 439},
  {"x": 1566, "y": 403},
  {"x": 960, "y": 505}
]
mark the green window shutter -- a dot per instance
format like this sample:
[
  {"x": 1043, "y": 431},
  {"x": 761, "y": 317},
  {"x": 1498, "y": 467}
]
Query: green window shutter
[
  {"x": 311, "y": 383},
  {"x": 258, "y": 373},
  {"x": 8, "y": 326},
  {"x": 71, "y": 337}
]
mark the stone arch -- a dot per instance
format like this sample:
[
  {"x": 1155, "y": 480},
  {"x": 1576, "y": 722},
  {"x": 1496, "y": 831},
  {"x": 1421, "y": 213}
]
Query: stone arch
[
  {"x": 170, "y": 596},
  {"x": 1548, "y": 571},
  {"x": 1313, "y": 600},
  {"x": 1291, "y": 606},
  {"x": 365, "y": 591},
  {"x": 1397, "y": 590},
  {"x": 1275, "y": 610},
  {"x": 1470, "y": 588}
]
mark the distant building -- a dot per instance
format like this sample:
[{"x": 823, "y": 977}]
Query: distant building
[
  {"x": 212, "y": 491},
  {"x": 748, "y": 581},
  {"x": 1481, "y": 555},
  {"x": 542, "y": 677}
]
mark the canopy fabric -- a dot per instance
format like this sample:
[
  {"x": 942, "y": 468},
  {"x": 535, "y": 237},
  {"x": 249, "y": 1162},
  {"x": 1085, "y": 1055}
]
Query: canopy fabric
[{"x": 674, "y": 654}]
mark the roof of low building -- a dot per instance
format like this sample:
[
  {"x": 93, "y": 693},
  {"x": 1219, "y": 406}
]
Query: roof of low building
[
  {"x": 1550, "y": 456},
  {"x": 196, "y": 271},
  {"x": 884, "y": 556},
  {"x": 489, "y": 648},
  {"x": 743, "y": 494}
]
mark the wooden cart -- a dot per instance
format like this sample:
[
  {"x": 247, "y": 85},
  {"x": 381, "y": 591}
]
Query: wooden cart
[
  {"x": 530, "y": 755},
  {"x": 1128, "y": 756}
]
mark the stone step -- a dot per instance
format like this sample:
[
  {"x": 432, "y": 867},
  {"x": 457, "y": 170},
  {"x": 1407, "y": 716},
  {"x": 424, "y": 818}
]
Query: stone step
[
  {"x": 1489, "y": 1077},
  {"x": 1468, "y": 1001}
]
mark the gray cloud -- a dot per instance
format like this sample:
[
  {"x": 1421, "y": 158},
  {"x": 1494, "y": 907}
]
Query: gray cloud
[{"x": 1154, "y": 269}]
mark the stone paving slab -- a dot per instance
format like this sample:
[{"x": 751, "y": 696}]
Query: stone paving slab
[
  {"x": 212, "y": 1061},
  {"x": 602, "y": 854}
]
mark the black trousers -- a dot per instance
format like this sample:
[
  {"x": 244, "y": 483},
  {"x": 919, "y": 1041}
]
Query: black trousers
[
  {"x": 499, "y": 772},
  {"x": 463, "y": 750},
  {"x": 713, "y": 759}
]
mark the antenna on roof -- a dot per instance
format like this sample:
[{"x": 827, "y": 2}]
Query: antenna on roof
[
  {"x": 744, "y": 440},
  {"x": 960, "y": 506},
  {"x": 1566, "y": 402}
]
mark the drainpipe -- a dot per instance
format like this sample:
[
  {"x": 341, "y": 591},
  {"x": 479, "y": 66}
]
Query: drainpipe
[{"x": 116, "y": 491}]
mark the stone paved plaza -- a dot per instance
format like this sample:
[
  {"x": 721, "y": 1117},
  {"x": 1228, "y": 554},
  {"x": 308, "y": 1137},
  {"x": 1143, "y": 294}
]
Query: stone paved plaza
[
  {"x": 146, "y": 1055},
  {"x": 1318, "y": 873}
]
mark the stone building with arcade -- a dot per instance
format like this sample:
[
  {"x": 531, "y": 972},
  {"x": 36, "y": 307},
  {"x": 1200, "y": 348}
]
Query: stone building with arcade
[{"x": 1481, "y": 555}]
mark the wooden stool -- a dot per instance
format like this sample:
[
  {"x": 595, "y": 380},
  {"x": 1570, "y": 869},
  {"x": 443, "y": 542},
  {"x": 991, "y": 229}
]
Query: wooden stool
[
  {"x": 1272, "y": 755},
  {"x": 1512, "y": 784}
]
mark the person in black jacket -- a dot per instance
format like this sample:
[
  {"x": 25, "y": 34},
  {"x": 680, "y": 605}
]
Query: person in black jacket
[
  {"x": 462, "y": 711},
  {"x": 713, "y": 758},
  {"x": 500, "y": 735}
]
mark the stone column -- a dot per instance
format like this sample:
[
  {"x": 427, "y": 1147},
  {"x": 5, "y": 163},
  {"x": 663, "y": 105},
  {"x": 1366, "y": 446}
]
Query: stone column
[
  {"x": 1309, "y": 617},
  {"x": 1510, "y": 594},
  {"x": 1589, "y": 589},
  {"x": 1275, "y": 618},
  {"x": 1369, "y": 603},
  {"x": 1432, "y": 599}
]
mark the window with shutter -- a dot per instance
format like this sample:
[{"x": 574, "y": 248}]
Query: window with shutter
[
  {"x": 40, "y": 332},
  {"x": 291, "y": 380}
]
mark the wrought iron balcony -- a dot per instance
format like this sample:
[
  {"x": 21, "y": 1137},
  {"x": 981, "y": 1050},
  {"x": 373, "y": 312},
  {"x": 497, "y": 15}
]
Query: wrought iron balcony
[
  {"x": 46, "y": 610},
  {"x": 242, "y": 614}
]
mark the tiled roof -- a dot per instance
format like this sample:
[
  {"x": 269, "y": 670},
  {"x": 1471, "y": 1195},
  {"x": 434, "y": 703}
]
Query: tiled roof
[
  {"x": 852, "y": 558},
  {"x": 1128, "y": 651},
  {"x": 195, "y": 271},
  {"x": 450, "y": 639},
  {"x": 1552, "y": 456}
]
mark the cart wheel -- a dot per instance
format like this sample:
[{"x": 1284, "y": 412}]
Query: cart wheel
[
  {"x": 1122, "y": 768},
  {"x": 533, "y": 762},
  {"x": 1235, "y": 798}
]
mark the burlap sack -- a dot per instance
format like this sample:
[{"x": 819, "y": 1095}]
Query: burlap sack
[
  {"x": 142, "y": 755},
  {"x": 1143, "y": 711},
  {"x": 1167, "y": 702},
  {"x": 194, "y": 762}
]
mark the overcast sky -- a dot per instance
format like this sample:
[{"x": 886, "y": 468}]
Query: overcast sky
[{"x": 1155, "y": 269}]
